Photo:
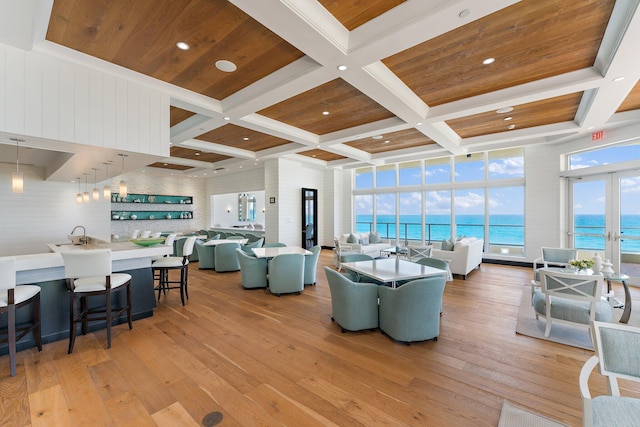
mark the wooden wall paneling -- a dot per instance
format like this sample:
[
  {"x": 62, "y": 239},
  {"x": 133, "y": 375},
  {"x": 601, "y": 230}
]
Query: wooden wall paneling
[
  {"x": 15, "y": 91},
  {"x": 109, "y": 112},
  {"x": 51, "y": 111},
  {"x": 66, "y": 107},
  {"x": 96, "y": 108},
  {"x": 81, "y": 103},
  {"x": 33, "y": 94}
]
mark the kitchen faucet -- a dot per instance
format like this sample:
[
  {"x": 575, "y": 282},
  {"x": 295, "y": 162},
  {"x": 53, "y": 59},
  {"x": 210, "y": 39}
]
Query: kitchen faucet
[{"x": 83, "y": 239}]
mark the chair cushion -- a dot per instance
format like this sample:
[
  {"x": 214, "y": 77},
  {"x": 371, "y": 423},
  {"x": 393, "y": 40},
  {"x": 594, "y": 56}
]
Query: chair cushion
[
  {"x": 20, "y": 294},
  {"x": 612, "y": 411},
  {"x": 169, "y": 262},
  {"x": 571, "y": 310},
  {"x": 93, "y": 284}
]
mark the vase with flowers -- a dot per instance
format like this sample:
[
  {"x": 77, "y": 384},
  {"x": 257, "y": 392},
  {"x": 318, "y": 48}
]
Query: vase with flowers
[{"x": 582, "y": 265}]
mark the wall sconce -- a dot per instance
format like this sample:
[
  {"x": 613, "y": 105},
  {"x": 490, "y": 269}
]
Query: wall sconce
[
  {"x": 228, "y": 209},
  {"x": 263, "y": 209},
  {"x": 123, "y": 183},
  {"x": 17, "y": 177}
]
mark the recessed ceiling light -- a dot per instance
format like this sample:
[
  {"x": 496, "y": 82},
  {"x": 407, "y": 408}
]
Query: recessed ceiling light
[
  {"x": 342, "y": 67},
  {"x": 376, "y": 137},
  {"x": 419, "y": 124},
  {"x": 227, "y": 118},
  {"x": 464, "y": 13},
  {"x": 508, "y": 118},
  {"x": 197, "y": 154},
  {"x": 245, "y": 139},
  {"x": 164, "y": 164},
  {"x": 325, "y": 113},
  {"x": 511, "y": 127},
  {"x": 386, "y": 141},
  {"x": 313, "y": 155},
  {"x": 182, "y": 46},
  {"x": 226, "y": 66},
  {"x": 618, "y": 79},
  {"x": 504, "y": 110},
  {"x": 489, "y": 61}
]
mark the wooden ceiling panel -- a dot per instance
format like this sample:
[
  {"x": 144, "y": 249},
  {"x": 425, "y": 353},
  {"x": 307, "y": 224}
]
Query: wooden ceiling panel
[
  {"x": 408, "y": 138},
  {"x": 632, "y": 101},
  {"x": 347, "y": 107},
  {"x": 177, "y": 115},
  {"x": 530, "y": 40},
  {"x": 539, "y": 113},
  {"x": 239, "y": 137},
  {"x": 203, "y": 156},
  {"x": 171, "y": 166},
  {"x": 353, "y": 13},
  {"x": 142, "y": 36},
  {"x": 322, "y": 155}
]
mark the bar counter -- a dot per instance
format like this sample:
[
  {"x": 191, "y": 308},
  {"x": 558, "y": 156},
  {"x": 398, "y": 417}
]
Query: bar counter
[{"x": 47, "y": 271}]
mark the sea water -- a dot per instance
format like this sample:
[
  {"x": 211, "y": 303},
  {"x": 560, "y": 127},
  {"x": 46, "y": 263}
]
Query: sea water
[{"x": 506, "y": 230}]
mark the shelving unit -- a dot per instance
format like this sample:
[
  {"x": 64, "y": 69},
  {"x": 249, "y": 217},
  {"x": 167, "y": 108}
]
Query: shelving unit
[{"x": 177, "y": 207}]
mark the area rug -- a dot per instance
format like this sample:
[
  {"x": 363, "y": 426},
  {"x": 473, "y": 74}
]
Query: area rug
[
  {"x": 575, "y": 336},
  {"x": 513, "y": 416}
]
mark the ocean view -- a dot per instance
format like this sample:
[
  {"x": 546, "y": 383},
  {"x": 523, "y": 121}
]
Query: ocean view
[{"x": 503, "y": 229}]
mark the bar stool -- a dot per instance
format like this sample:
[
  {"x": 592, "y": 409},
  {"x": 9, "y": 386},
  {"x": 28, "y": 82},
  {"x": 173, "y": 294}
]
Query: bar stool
[
  {"x": 161, "y": 268},
  {"x": 13, "y": 297},
  {"x": 146, "y": 234},
  {"x": 89, "y": 274},
  {"x": 135, "y": 234}
]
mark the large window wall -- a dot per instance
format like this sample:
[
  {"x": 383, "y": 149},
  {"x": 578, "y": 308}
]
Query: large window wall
[{"x": 425, "y": 201}]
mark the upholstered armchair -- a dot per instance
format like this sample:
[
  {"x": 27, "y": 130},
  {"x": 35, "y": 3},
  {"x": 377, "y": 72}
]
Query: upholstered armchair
[
  {"x": 570, "y": 297},
  {"x": 286, "y": 274},
  {"x": 206, "y": 255},
  {"x": 274, "y": 245},
  {"x": 357, "y": 277},
  {"x": 553, "y": 257},
  {"x": 415, "y": 253},
  {"x": 617, "y": 354},
  {"x": 178, "y": 244},
  {"x": 354, "y": 306},
  {"x": 226, "y": 258},
  {"x": 411, "y": 312},
  {"x": 310, "y": 265},
  {"x": 253, "y": 270},
  {"x": 255, "y": 244}
]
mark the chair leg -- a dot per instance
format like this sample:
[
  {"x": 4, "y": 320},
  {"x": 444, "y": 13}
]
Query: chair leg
[
  {"x": 182, "y": 285},
  {"x": 72, "y": 320},
  {"x": 83, "y": 314},
  {"x": 128, "y": 285},
  {"x": 186, "y": 281},
  {"x": 12, "y": 338},
  {"x": 37, "y": 331}
]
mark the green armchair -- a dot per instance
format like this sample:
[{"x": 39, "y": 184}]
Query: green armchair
[
  {"x": 253, "y": 270},
  {"x": 286, "y": 274},
  {"x": 256, "y": 244},
  {"x": 354, "y": 306},
  {"x": 411, "y": 312},
  {"x": 178, "y": 244},
  {"x": 225, "y": 257},
  {"x": 310, "y": 265},
  {"x": 206, "y": 255}
]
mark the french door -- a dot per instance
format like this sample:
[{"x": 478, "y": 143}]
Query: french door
[{"x": 605, "y": 212}]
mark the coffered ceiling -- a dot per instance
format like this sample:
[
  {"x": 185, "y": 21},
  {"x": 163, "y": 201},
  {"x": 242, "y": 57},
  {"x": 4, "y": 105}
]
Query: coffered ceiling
[{"x": 415, "y": 82}]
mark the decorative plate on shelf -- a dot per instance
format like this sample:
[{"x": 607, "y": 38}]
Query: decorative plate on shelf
[{"x": 148, "y": 241}]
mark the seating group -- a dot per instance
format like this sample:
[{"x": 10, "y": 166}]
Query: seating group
[{"x": 408, "y": 313}]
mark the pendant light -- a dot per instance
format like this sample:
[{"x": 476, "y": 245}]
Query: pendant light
[
  {"x": 17, "y": 178},
  {"x": 95, "y": 193},
  {"x": 123, "y": 183},
  {"x": 79, "y": 195},
  {"x": 85, "y": 195},
  {"x": 106, "y": 190}
]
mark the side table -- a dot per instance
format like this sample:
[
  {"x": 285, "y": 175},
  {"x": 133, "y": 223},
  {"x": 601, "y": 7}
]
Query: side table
[{"x": 621, "y": 278}]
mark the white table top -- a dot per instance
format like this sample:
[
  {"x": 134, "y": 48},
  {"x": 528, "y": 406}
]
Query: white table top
[
  {"x": 214, "y": 242},
  {"x": 272, "y": 252},
  {"x": 390, "y": 270}
]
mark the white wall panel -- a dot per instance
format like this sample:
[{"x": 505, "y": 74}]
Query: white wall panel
[
  {"x": 97, "y": 118},
  {"x": 133, "y": 117},
  {"x": 121, "y": 114},
  {"x": 66, "y": 106},
  {"x": 33, "y": 94},
  {"x": 3, "y": 90},
  {"x": 51, "y": 99},
  {"x": 81, "y": 105},
  {"x": 15, "y": 91},
  {"x": 109, "y": 112}
]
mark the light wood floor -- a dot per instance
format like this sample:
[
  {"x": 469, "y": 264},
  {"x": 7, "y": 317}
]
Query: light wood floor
[{"x": 257, "y": 359}]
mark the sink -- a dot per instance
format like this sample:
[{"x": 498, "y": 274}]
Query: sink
[{"x": 64, "y": 244}]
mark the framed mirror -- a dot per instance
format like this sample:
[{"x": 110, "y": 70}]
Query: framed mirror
[{"x": 246, "y": 207}]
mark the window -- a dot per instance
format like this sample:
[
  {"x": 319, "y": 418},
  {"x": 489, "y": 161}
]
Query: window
[
  {"x": 364, "y": 178},
  {"x": 438, "y": 215},
  {"x": 409, "y": 173},
  {"x": 410, "y": 215},
  {"x": 386, "y": 215},
  {"x": 603, "y": 156},
  {"x": 506, "y": 219},
  {"x": 506, "y": 163},
  {"x": 469, "y": 212},
  {"x": 386, "y": 176},
  {"x": 437, "y": 171},
  {"x": 364, "y": 213},
  {"x": 469, "y": 167}
]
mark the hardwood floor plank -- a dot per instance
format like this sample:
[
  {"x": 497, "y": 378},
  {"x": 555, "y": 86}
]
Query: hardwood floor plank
[{"x": 257, "y": 359}]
